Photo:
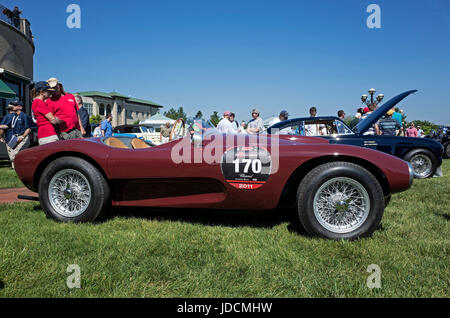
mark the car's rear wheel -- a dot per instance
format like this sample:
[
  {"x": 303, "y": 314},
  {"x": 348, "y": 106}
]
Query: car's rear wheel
[
  {"x": 423, "y": 162},
  {"x": 73, "y": 190},
  {"x": 340, "y": 200},
  {"x": 446, "y": 153}
]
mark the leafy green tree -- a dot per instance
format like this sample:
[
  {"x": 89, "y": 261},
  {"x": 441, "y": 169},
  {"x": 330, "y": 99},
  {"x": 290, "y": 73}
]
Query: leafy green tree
[
  {"x": 425, "y": 125},
  {"x": 95, "y": 119},
  {"x": 136, "y": 122},
  {"x": 199, "y": 115},
  {"x": 175, "y": 114},
  {"x": 214, "y": 118}
]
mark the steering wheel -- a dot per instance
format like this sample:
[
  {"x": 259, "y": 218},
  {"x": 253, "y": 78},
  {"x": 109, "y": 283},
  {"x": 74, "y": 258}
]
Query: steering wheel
[{"x": 178, "y": 129}]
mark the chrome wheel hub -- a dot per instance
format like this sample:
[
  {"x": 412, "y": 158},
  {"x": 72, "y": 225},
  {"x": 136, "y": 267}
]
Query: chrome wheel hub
[
  {"x": 69, "y": 193},
  {"x": 341, "y": 205},
  {"x": 421, "y": 165}
]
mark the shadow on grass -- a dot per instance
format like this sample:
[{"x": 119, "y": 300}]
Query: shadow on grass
[
  {"x": 2, "y": 285},
  {"x": 228, "y": 218},
  {"x": 443, "y": 215},
  {"x": 5, "y": 164}
]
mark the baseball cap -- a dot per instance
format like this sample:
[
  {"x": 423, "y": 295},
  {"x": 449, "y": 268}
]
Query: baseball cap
[
  {"x": 366, "y": 110},
  {"x": 284, "y": 113},
  {"x": 41, "y": 86},
  {"x": 52, "y": 82},
  {"x": 226, "y": 113},
  {"x": 254, "y": 110},
  {"x": 390, "y": 112},
  {"x": 16, "y": 103}
]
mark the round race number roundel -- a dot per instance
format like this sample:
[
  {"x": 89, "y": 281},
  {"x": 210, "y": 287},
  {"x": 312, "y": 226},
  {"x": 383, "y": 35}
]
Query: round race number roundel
[{"x": 246, "y": 168}]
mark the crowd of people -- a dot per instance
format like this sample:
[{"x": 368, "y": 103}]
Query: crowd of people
[{"x": 391, "y": 124}]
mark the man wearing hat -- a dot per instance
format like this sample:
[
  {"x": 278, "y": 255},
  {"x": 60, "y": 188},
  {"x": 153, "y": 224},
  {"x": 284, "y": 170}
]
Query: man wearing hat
[
  {"x": 256, "y": 124},
  {"x": 7, "y": 119},
  {"x": 64, "y": 106},
  {"x": 389, "y": 126},
  {"x": 282, "y": 117},
  {"x": 19, "y": 125},
  {"x": 225, "y": 126}
]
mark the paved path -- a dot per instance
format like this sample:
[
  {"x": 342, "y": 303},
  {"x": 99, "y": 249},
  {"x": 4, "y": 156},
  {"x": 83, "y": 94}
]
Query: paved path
[{"x": 10, "y": 195}]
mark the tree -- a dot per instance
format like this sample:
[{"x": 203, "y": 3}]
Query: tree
[
  {"x": 214, "y": 118},
  {"x": 425, "y": 125},
  {"x": 199, "y": 115},
  {"x": 95, "y": 119},
  {"x": 175, "y": 114}
]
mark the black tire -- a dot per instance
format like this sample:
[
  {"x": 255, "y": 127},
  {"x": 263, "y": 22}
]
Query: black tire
[
  {"x": 446, "y": 153},
  {"x": 422, "y": 152},
  {"x": 99, "y": 190},
  {"x": 319, "y": 176}
]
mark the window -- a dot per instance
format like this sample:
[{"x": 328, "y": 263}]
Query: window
[
  {"x": 108, "y": 109},
  {"x": 102, "y": 110},
  {"x": 88, "y": 107},
  {"x": 119, "y": 110}
]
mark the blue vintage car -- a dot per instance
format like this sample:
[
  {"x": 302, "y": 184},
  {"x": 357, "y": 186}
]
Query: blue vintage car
[{"x": 424, "y": 154}]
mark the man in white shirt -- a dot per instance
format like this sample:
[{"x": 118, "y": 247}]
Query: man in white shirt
[
  {"x": 283, "y": 116},
  {"x": 313, "y": 129},
  {"x": 225, "y": 126}
]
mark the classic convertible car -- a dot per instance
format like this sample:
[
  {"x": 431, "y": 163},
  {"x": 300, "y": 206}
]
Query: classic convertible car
[
  {"x": 340, "y": 191},
  {"x": 424, "y": 154}
]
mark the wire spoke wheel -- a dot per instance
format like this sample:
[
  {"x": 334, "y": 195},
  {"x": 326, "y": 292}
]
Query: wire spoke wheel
[
  {"x": 69, "y": 193},
  {"x": 341, "y": 205},
  {"x": 422, "y": 165}
]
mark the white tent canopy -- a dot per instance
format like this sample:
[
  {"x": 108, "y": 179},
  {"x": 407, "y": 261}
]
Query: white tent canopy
[{"x": 157, "y": 120}]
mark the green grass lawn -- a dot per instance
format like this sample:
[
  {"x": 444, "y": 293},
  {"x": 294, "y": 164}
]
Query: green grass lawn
[
  {"x": 154, "y": 253},
  {"x": 8, "y": 176}
]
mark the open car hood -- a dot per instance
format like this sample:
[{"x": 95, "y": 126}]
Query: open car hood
[{"x": 365, "y": 124}]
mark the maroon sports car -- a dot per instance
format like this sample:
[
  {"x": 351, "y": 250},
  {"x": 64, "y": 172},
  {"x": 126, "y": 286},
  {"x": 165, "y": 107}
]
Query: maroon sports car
[{"x": 340, "y": 191}]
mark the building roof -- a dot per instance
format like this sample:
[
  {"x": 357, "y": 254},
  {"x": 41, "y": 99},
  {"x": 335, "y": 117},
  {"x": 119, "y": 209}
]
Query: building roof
[
  {"x": 157, "y": 119},
  {"x": 115, "y": 94}
]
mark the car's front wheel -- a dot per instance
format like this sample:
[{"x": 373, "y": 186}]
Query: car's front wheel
[
  {"x": 423, "y": 162},
  {"x": 73, "y": 190},
  {"x": 340, "y": 200}
]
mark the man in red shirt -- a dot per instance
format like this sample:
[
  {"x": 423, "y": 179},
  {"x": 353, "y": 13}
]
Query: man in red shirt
[{"x": 64, "y": 107}]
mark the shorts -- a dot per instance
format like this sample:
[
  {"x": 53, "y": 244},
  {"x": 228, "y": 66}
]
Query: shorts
[
  {"x": 47, "y": 140},
  {"x": 20, "y": 146}
]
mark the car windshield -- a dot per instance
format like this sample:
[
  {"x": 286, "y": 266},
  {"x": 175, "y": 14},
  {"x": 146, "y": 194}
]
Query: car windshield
[
  {"x": 201, "y": 126},
  {"x": 315, "y": 127}
]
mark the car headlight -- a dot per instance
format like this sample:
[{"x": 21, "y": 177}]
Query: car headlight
[{"x": 411, "y": 174}]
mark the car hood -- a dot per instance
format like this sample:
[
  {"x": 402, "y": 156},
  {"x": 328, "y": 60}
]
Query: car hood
[{"x": 368, "y": 122}]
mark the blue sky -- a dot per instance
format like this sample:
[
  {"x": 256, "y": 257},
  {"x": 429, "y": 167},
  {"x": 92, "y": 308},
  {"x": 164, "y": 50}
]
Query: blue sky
[{"x": 236, "y": 55}]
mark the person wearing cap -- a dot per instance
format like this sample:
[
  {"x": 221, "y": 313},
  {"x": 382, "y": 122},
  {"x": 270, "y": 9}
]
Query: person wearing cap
[
  {"x": 164, "y": 134},
  {"x": 225, "y": 126},
  {"x": 420, "y": 132},
  {"x": 20, "y": 126},
  {"x": 282, "y": 117},
  {"x": 64, "y": 106},
  {"x": 374, "y": 130},
  {"x": 5, "y": 120},
  {"x": 45, "y": 120},
  {"x": 256, "y": 124},
  {"x": 388, "y": 126}
]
